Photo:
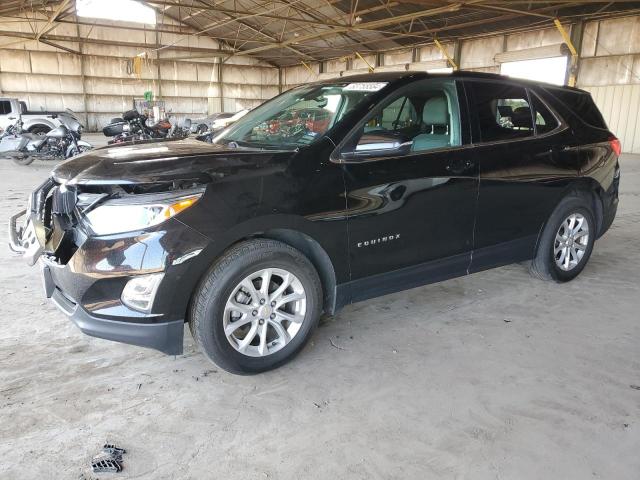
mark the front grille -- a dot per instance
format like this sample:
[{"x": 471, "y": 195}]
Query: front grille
[
  {"x": 63, "y": 201},
  {"x": 52, "y": 213},
  {"x": 40, "y": 204}
]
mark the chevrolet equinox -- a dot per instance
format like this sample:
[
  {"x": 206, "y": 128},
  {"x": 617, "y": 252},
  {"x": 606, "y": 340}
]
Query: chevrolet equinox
[{"x": 331, "y": 193}]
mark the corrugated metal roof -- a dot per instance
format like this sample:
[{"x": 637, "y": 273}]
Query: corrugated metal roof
[{"x": 287, "y": 32}]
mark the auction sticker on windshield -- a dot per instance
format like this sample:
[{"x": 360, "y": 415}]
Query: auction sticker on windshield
[{"x": 365, "y": 86}]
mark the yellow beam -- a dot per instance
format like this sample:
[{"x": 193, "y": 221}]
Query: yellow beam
[
  {"x": 574, "y": 53},
  {"x": 565, "y": 36},
  {"x": 307, "y": 67},
  {"x": 371, "y": 67},
  {"x": 451, "y": 61}
]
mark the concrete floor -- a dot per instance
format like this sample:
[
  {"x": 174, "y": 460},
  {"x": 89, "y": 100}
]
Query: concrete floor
[{"x": 492, "y": 376}]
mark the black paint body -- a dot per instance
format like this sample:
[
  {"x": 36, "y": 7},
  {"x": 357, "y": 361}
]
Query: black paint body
[{"x": 370, "y": 227}]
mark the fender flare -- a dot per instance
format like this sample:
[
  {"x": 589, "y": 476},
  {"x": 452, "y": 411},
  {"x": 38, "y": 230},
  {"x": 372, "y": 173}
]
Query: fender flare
[
  {"x": 296, "y": 232},
  {"x": 29, "y": 125}
]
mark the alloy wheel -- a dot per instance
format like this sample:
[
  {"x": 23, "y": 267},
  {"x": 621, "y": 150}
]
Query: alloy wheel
[
  {"x": 572, "y": 239},
  {"x": 264, "y": 312}
]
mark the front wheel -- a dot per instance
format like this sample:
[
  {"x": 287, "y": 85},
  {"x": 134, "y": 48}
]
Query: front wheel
[
  {"x": 256, "y": 307},
  {"x": 567, "y": 240},
  {"x": 77, "y": 151},
  {"x": 23, "y": 159}
]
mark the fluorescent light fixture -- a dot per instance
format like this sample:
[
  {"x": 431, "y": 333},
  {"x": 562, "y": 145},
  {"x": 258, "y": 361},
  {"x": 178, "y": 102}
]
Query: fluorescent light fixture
[{"x": 120, "y": 10}]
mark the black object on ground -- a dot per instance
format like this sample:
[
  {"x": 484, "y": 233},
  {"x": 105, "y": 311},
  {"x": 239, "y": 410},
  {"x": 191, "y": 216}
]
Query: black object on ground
[
  {"x": 113, "y": 451},
  {"x": 105, "y": 465},
  {"x": 109, "y": 461}
]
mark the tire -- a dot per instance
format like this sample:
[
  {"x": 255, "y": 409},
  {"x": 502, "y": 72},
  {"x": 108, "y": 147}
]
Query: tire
[
  {"x": 26, "y": 160},
  {"x": 224, "y": 286},
  {"x": 78, "y": 151},
  {"x": 545, "y": 265},
  {"x": 39, "y": 130}
]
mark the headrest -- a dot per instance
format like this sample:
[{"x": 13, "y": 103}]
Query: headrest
[
  {"x": 521, "y": 117},
  {"x": 436, "y": 112}
]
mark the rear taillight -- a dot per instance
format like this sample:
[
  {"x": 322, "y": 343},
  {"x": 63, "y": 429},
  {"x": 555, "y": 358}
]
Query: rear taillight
[{"x": 616, "y": 146}]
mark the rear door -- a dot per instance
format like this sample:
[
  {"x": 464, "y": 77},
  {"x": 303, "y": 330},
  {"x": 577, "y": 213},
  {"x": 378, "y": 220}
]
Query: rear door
[
  {"x": 523, "y": 149},
  {"x": 410, "y": 210}
]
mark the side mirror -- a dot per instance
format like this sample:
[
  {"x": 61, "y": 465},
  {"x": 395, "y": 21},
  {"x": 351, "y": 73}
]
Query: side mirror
[{"x": 378, "y": 144}]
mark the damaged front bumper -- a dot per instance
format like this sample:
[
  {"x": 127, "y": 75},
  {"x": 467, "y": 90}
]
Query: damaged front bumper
[
  {"x": 166, "y": 337},
  {"x": 85, "y": 275}
]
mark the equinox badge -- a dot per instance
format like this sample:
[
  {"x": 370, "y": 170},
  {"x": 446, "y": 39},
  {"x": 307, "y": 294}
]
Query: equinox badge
[{"x": 376, "y": 241}]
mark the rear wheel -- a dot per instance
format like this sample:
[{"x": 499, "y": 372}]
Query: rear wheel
[
  {"x": 567, "y": 240},
  {"x": 256, "y": 307}
]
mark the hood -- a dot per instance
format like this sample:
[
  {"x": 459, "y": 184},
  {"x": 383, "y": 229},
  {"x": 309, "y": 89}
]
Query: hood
[{"x": 164, "y": 161}]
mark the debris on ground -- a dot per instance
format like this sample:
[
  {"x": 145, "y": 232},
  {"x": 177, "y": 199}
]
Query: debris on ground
[
  {"x": 334, "y": 345},
  {"x": 113, "y": 451},
  {"x": 109, "y": 460},
  {"x": 106, "y": 465}
]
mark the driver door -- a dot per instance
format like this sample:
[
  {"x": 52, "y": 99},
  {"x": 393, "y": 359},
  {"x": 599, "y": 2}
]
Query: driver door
[{"x": 411, "y": 190}]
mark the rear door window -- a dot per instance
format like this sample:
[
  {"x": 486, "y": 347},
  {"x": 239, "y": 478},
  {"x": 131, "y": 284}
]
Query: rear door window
[{"x": 502, "y": 111}]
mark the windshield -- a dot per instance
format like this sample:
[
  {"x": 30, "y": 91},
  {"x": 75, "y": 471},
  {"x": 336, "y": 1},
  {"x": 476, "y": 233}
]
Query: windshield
[{"x": 298, "y": 117}]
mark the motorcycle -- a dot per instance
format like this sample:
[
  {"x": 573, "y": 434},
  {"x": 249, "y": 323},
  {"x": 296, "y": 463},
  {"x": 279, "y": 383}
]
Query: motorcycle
[
  {"x": 133, "y": 127},
  {"x": 182, "y": 131},
  {"x": 61, "y": 143}
]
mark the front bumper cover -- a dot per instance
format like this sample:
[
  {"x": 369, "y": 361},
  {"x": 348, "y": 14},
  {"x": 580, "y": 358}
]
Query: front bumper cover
[
  {"x": 85, "y": 275},
  {"x": 166, "y": 337}
]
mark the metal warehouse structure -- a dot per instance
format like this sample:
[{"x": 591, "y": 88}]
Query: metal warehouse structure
[{"x": 203, "y": 56}]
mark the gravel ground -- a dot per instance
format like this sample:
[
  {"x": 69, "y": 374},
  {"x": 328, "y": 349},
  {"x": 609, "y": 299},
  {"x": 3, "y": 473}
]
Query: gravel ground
[{"x": 492, "y": 376}]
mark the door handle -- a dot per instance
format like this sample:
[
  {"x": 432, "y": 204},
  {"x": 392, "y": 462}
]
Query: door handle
[{"x": 11, "y": 118}]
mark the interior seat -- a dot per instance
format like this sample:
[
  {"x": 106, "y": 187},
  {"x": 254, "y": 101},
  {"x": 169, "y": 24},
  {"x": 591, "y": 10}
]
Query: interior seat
[{"x": 435, "y": 119}]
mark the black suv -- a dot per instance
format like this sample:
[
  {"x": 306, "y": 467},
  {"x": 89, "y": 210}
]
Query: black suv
[{"x": 408, "y": 179}]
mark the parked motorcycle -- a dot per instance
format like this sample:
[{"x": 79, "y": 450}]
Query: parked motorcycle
[
  {"x": 181, "y": 131},
  {"x": 61, "y": 143},
  {"x": 133, "y": 127}
]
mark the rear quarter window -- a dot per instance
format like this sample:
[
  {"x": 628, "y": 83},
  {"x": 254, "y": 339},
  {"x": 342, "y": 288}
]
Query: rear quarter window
[{"x": 582, "y": 105}]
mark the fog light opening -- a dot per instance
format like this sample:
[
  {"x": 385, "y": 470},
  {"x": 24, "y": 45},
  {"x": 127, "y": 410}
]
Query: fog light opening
[{"x": 139, "y": 292}]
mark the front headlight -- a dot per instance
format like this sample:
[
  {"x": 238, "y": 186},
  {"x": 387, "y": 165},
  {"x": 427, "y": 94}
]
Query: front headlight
[{"x": 142, "y": 211}]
